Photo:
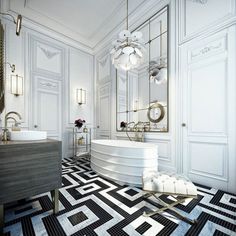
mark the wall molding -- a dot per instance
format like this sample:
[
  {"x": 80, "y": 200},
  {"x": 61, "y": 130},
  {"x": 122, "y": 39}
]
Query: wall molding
[
  {"x": 50, "y": 50},
  {"x": 219, "y": 46},
  {"x": 44, "y": 30},
  {"x": 44, "y": 85},
  {"x": 199, "y": 1},
  {"x": 69, "y": 119},
  {"x": 223, "y": 22},
  {"x": 20, "y": 69},
  {"x": 49, "y": 54},
  {"x": 136, "y": 18},
  {"x": 224, "y": 169}
]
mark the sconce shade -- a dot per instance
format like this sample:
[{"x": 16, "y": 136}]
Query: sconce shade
[
  {"x": 81, "y": 96},
  {"x": 136, "y": 107},
  {"x": 18, "y": 24},
  {"x": 16, "y": 85}
]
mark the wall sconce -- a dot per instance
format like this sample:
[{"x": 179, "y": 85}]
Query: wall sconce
[
  {"x": 16, "y": 85},
  {"x": 17, "y": 21},
  {"x": 12, "y": 66},
  {"x": 81, "y": 96}
]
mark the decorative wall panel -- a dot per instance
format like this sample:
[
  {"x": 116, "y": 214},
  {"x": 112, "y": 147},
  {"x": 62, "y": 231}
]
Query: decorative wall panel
[
  {"x": 207, "y": 115},
  {"x": 197, "y": 16},
  {"x": 208, "y": 159},
  {"x": 204, "y": 78},
  {"x": 47, "y": 106},
  {"x": 47, "y": 58},
  {"x": 105, "y": 106},
  {"x": 104, "y": 67},
  {"x": 17, "y": 56},
  {"x": 80, "y": 76}
]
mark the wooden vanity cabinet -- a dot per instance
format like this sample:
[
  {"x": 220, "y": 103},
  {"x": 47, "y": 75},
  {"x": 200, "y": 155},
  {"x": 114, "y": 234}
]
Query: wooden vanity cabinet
[{"x": 27, "y": 169}]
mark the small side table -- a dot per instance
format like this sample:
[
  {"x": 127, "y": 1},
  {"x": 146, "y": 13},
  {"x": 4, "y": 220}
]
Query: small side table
[{"x": 81, "y": 142}]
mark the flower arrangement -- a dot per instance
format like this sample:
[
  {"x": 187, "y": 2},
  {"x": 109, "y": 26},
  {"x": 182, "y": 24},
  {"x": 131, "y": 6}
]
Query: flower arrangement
[
  {"x": 79, "y": 123},
  {"x": 123, "y": 124}
]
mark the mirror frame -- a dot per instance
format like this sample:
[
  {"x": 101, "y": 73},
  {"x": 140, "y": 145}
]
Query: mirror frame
[
  {"x": 153, "y": 106},
  {"x": 168, "y": 68}
]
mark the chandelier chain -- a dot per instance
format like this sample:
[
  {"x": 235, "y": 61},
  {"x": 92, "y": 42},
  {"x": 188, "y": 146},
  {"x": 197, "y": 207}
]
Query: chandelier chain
[{"x": 127, "y": 14}]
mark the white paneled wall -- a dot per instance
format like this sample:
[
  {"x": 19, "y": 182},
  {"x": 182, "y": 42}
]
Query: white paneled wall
[
  {"x": 104, "y": 100},
  {"x": 201, "y": 17},
  {"x": 201, "y": 87},
  {"x": 52, "y": 72},
  {"x": 46, "y": 78},
  {"x": 80, "y": 74},
  {"x": 16, "y": 55},
  {"x": 207, "y": 92},
  {"x": 202, "y": 91}
]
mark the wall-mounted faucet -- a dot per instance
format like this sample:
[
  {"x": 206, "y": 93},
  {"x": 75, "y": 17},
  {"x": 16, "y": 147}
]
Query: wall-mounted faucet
[
  {"x": 7, "y": 117},
  {"x": 139, "y": 129}
]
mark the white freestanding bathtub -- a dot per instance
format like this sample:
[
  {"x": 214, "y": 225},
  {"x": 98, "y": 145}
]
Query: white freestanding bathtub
[{"x": 123, "y": 161}]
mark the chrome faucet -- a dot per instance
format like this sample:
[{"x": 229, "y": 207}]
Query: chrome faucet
[
  {"x": 7, "y": 117},
  {"x": 139, "y": 129},
  {"x": 126, "y": 130}
]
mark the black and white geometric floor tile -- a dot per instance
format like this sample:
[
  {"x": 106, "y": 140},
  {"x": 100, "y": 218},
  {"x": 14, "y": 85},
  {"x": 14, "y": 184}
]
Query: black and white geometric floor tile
[{"x": 91, "y": 205}]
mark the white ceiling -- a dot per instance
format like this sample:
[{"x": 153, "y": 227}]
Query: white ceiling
[{"x": 86, "y": 21}]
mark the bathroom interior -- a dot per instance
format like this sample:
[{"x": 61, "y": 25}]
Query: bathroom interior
[{"x": 117, "y": 117}]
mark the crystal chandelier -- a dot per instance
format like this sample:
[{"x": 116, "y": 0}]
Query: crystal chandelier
[{"x": 128, "y": 50}]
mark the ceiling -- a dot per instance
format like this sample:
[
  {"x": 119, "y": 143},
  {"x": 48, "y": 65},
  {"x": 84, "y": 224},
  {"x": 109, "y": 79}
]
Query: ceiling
[{"x": 86, "y": 21}]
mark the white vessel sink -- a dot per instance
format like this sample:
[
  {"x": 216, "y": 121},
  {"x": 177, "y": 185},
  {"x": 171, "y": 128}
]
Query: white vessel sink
[{"x": 27, "y": 135}]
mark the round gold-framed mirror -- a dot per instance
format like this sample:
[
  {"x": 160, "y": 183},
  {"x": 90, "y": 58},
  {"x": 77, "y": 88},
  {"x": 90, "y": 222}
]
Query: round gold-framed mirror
[{"x": 156, "y": 112}]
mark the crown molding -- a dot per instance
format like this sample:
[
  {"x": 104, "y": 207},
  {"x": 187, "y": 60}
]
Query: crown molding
[
  {"x": 141, "y": 13},
  {"x": 136, "y": 18},
  {"x": 44, "y": 30},
  {"x": 39, "y": 18}
]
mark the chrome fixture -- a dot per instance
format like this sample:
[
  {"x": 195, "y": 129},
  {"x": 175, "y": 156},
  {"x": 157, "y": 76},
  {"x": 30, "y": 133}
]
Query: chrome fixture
[
  {"x": 17, "y": 21},
  {"x": 81, "y": 96},
  {"x": 11, "y": 118},
  {"x": 12, "y": 66},
  {"x": 129, "y": 49},
  {"x": 17, "y": 85},
  {"x": 139, "y": 129},
  {"x": 7, "y": 117}
]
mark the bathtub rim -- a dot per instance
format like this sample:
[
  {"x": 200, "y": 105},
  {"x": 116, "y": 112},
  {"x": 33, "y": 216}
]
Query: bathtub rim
[{"x": 139, "y": 145}]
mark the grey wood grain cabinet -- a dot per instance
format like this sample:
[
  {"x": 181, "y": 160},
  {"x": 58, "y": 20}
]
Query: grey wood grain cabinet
[{"x": 27, "y": 169}]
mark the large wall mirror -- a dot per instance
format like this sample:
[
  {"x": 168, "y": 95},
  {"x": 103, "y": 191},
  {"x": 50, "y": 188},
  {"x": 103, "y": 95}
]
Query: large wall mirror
[{"x": 142, "y": 93}]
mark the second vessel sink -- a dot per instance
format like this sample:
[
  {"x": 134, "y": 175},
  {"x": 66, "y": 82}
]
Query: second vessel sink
[{"x": 27, "y": 135}]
